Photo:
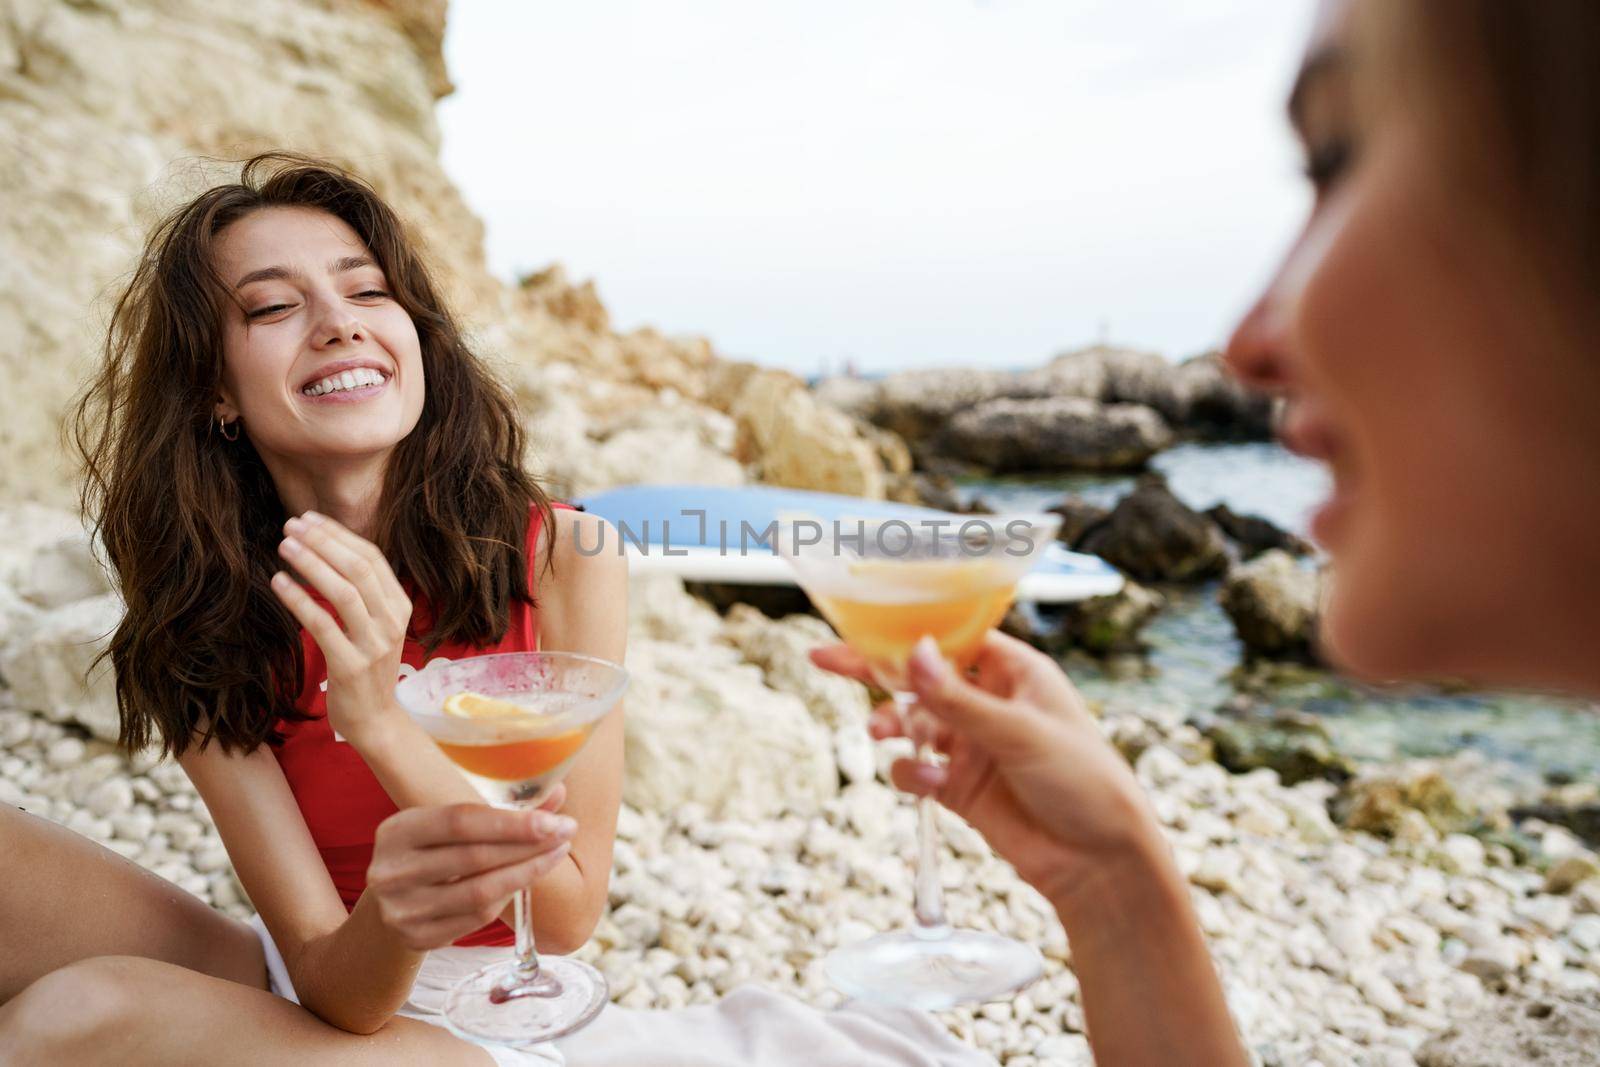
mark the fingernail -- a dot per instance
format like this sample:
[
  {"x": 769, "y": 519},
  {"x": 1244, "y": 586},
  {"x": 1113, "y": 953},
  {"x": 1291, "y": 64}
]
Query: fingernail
[
  {"x": 291, "y": 546},
  {"x": 542, "y": 822},
  {"x": 294, "y": 525},
  {"x": 930, "y": 775},
  {"x": 565, "y": 825},
  {"x": 926, "y": 660},
  {"x": 311, "y": 517},
  {"x": 280, "y": 578}
]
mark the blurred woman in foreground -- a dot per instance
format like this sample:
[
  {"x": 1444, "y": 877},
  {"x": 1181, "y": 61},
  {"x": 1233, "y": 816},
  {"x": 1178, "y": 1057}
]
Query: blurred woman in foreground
[{"x": 1431, "y": 332}]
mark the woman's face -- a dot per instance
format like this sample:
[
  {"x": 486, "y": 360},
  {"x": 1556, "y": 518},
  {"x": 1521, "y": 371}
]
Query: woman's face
[
  {"x": 320, "y": 365},
  {"x": 1462, "y": 442}
]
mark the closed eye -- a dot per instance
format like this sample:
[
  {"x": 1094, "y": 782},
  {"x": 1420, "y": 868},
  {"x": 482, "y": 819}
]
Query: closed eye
[
  {"x": 271, "y": 309},
  {"x": 373, "y": 294}
]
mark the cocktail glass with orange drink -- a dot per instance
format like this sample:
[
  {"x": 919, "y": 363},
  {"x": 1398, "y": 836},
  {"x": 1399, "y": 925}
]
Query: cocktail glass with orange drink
[
  {"x": 514, "y": 723},
  {"x": 884, "y": 585}
]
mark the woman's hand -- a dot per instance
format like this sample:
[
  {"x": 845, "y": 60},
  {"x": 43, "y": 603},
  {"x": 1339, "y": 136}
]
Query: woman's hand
[
  {"x": 1028, "y": 767},
  {"x": 362, "y": 646},
  {"x": 440, "y": 873}
]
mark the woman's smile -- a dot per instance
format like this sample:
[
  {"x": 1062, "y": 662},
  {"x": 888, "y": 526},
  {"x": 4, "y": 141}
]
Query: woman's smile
[{"x": 349, "y": 381}]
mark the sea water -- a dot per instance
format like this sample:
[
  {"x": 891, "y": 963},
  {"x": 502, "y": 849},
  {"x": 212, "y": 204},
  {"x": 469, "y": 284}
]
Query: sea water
[{"x": 1194, "y": 652}]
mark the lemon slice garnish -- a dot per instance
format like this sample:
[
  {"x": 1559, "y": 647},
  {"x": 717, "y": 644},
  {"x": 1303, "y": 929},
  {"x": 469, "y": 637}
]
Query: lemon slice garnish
[{"x": 478, "y": 706}]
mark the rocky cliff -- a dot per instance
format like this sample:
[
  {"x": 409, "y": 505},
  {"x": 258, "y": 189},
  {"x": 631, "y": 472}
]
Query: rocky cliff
[{"x": 112, "y": 111}]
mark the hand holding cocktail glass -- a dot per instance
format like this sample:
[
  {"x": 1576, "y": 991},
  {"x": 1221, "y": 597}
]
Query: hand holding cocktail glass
[
  {"x": 514, "y": 723},
  {"x": 1027, "y": 765},
  {"x": 885, "y": 586}
]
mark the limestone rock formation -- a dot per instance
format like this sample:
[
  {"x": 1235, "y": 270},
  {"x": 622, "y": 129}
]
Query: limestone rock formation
[
  {"x": 1054, "y": 433},
  {"x": 1274, "y": 603},
  {"x": 743, "y": 725},
  {"x": 113, "y": 112},
  {"x": 792, "y": 440},
  {"x": 1195, "y": 398},
  {"x": 1154, "y": 536}
]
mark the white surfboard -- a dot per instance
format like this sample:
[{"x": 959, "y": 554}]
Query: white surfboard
[{"x": 713, "y": 533}]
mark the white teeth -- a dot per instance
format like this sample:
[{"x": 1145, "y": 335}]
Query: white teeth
[{"x": 350, "y": 379}]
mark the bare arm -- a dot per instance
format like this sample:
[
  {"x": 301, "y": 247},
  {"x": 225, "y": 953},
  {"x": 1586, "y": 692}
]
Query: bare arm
[
  {"x": 1150, "y": 994},
  {"x": 348, "y": 969}
]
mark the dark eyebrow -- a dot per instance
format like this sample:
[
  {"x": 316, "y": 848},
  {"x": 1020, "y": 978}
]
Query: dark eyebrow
[
  {"x": 266, "y": 274},
  {"x": 338, "y": 266},
  {"x": 1318, "y": 65}
]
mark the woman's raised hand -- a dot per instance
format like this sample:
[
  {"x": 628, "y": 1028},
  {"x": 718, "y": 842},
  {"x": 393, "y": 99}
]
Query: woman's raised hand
[
  {"x": 362, "y": 645},
  {"x": 1028, "y": 767},
  {"x": 442, "y": 872}
]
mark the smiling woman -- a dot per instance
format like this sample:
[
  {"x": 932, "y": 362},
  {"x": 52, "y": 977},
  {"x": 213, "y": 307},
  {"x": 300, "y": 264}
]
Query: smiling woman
[{"x": 307, "y": 485}]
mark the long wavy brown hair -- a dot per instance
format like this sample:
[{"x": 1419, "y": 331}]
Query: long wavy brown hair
[{"x": 190, "y": 522}]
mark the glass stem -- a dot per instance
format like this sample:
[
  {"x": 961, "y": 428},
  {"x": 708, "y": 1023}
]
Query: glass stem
[
  {"x": 527, "y": 954},
  {"x": 929, "y": 899},
  {"x": 525, "y": 979}
]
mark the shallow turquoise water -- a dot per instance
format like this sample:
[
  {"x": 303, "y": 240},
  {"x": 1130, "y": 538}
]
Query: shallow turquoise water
[{"x": 1194, "y": 652}]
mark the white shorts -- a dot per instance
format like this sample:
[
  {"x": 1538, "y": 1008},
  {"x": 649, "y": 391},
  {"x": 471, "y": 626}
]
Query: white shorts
[{"x": 441, "y": 969}]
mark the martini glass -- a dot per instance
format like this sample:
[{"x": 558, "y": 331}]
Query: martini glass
[
  {"x": 883, "y": 585},
  {"x": 514, "y": 723}
]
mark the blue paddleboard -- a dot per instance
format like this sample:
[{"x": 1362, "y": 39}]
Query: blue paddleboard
[{"x": 713, "y": 534}]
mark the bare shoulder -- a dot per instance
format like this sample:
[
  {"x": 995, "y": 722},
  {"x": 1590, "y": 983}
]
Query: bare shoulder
[
  {"x": 587, "y": 548},
  {"x": 583, "y": 596}
]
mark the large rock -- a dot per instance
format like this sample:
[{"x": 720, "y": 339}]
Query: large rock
[
  {"x": 704, "y": 728},
  {"x": 1054, "y": 434},
  {"x": 781, "y": 649},
  {"x": 1518, "y": 1029},
  {"x": 856, "y": 397},
  {"x": 1274, "y": 603},
  {"x": 792, "y": 440},
  {"x": 1295, "y": 745},
  {"x": 46, "y": 557},
  {"x": 1382, "y": 801},
  {"x": 705, "y": 722},
  {"x": 97, "y": 100},
  {"x": 1115, "y": 376},
  {"x": 1211, "y": 403},
  {"x": 1154, "y": 536},
  {"x": 1101, "y": 625},
  {"x": 1254, "y": 534},
  {"x": 919, "y": 404},
  {"x": 1078, "y": 517},
  {"x": 47, "y": 664}
]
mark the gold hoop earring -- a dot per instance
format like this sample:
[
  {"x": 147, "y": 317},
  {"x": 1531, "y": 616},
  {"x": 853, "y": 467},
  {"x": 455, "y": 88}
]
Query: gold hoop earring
[{"x": 222, "y": 428}]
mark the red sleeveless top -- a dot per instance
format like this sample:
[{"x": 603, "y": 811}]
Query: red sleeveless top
[{"x": 338, "y": 795}]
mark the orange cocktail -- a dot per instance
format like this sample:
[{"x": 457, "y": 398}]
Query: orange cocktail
[
  {"x": 516, "y": 761},
  {"x": 510, "y": 743},
  {"x": 888, "y": 606}
]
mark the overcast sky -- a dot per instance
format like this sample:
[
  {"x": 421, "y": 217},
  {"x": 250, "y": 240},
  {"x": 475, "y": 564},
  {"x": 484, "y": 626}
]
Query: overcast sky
[{"x": 897, "y": 182}]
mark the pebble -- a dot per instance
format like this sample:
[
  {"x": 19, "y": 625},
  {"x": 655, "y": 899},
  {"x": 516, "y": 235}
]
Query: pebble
[
  {"x": 111, "y": 797},
  {"x": 212, "y": 859},
  {"x": 64, "y": 753},
  {"x": 1491, "y": 962},
  {"x": 1585, "y": 932},
  {"x": 1567, "y": 873}
]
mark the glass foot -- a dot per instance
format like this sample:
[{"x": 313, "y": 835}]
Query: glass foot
[
  {"x": 934, "y": 970},
  {"x": 572, "y": 996}
]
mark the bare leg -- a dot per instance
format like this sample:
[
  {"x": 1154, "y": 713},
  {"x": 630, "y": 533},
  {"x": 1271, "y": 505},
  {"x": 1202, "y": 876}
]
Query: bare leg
[
  {"x": 125, "y": 1011},
  {"x": 65, "y": 898}
]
